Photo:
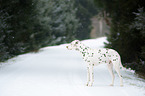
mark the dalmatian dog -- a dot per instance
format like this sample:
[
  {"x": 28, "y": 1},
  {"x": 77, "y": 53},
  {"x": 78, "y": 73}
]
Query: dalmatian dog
[{"x": 94, "y": 57}]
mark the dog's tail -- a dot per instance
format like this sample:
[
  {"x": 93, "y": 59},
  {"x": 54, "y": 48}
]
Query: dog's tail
[{"x": 121, "y": 66}]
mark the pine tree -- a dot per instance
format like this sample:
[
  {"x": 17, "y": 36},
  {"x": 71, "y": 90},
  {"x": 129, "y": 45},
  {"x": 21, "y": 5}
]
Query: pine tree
[
  {"x": 4, "y": 32},
  {"x": 139, "y": 24},
  {"x": 123, "y": 37},
  {"x": 58, "y": 22},
  {"x": 65, "y": 22},
  {"x": 85, "y": 10},
  {"x": 16, "y": 26}
]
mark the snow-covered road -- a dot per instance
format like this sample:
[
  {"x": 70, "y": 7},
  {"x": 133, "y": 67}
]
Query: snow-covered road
[{"x": 56, "y": 71}]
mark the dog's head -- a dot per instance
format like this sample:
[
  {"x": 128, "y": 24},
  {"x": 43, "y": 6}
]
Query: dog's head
[{"x": 74, "y": 45}]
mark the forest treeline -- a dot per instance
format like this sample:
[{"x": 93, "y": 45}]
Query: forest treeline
[
  {"x": 127, "y": 30},
  {"x": 27, "y": 25}
]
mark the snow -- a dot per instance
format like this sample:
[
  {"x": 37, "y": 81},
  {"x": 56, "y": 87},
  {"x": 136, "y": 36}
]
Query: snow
[{"x": 56, "y": 71}]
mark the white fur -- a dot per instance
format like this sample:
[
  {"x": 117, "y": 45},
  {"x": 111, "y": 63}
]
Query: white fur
[{"x": 94, "y": 57}]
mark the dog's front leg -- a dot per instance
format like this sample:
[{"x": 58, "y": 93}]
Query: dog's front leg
[
  {"x": 91, "y": 75},
  {"x": 88, "y": 76}
]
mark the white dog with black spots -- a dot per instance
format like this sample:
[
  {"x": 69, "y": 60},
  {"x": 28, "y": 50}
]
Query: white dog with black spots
[{"x": 94, "y": 57}]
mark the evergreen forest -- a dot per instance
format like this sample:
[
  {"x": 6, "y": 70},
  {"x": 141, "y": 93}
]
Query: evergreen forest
[
  {"x": 127, "y": 30},
  {"x": 28, "y": 25}
]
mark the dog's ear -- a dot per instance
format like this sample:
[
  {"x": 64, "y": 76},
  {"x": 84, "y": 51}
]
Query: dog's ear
[{"x": 77, "y": 41}]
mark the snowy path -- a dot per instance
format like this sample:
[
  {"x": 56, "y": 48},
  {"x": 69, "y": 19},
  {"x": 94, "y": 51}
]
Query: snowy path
[{"x": 55, "y": 71}]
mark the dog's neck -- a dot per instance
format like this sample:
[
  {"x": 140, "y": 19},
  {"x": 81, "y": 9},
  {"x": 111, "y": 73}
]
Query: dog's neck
[{"x": 82, "y": 48}]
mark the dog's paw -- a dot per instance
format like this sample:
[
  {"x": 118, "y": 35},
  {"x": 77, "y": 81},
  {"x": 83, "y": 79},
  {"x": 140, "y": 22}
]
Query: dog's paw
[
  {"x": 111, "y": 85},
  {"x": 121, "y": 85},
  {"x": 90, "y": 84},
  {"x": 87, "y": 84}
]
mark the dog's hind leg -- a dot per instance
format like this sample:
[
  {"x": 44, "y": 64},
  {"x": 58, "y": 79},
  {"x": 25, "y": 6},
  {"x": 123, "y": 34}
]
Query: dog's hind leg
[
  {"x": 117, "y": 68},
  {"x": 110, "y": 68}
]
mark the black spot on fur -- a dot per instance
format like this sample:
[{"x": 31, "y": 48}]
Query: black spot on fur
[
  {"x": 92, "y": 54},
  {"x": 104, "y": 55},
  {"x": 114, "y": 59},
  {"x": 99, "y": 51},
  {"x": 83, "y": 52},
  {"x": 88, "y": 61}
]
